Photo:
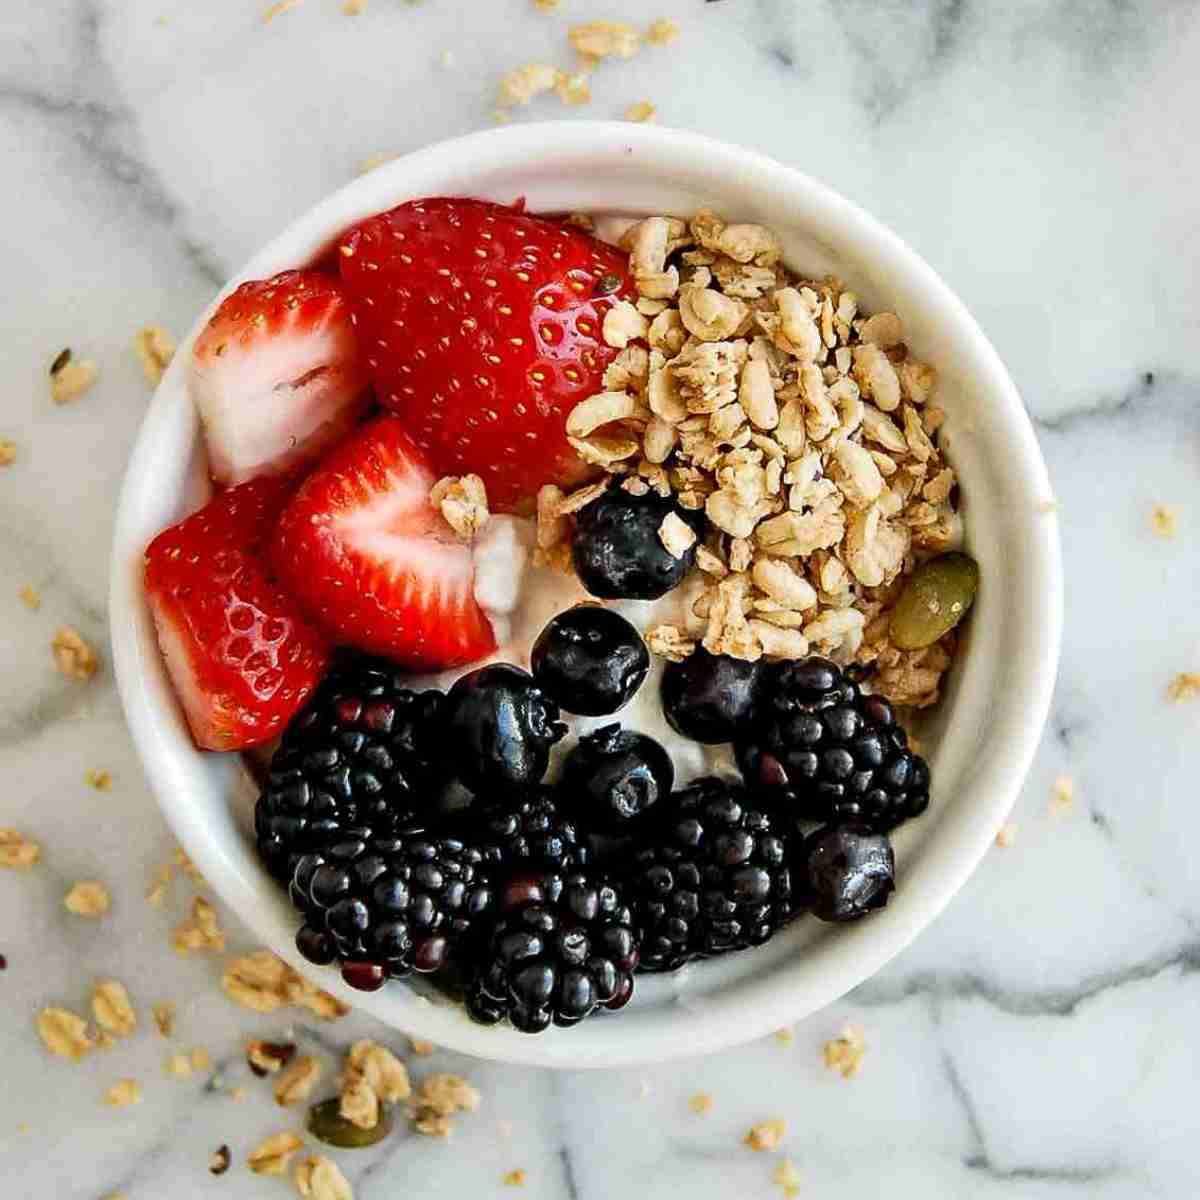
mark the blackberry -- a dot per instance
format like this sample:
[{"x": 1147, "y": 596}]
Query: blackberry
[
  {"x": 847, "y": 871},
  {"x": 825, "y": 752},
  {"x": 526, "y": 832},
  {"x": 562, "y": 947},
  {"x": 361, "y": 753},
  {"x": 715, "y": 878},
  {"x": 388, "y": 906}
]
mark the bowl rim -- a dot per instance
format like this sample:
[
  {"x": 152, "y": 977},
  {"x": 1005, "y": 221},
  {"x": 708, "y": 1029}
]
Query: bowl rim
[{"x": 764, "y": 1004}]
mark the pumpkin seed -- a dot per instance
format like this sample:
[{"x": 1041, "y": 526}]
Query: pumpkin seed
[{"x": 935, "y": 598}]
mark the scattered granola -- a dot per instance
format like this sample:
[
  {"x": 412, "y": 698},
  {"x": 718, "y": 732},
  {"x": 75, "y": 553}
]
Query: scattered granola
[
  {"x": 767, "y": 1135},
  {"x": 72, "y": 655},
  {"x": 155, "y": 348},
  {"x": 1007, "y": 835},
  {"x": 1185, "y": 686},
  {"x": 278, "y": 9},
  {"x": 218, "y": 1161},
  {"x": 88, "y": 898},
  {"x": 30, "y": 597},
  {"x": 295, "y": 1085},
  {"x": 522, "y": 84},
  {"x": 785, "y": 1036},
  {"x": 373, "y": 1076},
  {"x": 112, "y": 1008},
  {"x": 8, "y": 452},
  {"x": 200, "y": 930},
  {"x": 64, "y": 1033},
  {"x": 164, "y": 1017},
  {"x": 320, "y": 1178},
  {"x": 438, "y": 1098},
  {"x": 463, "y": 502},
  {"x": 1165, "y": 520},
  {"x": 123, "y": 1093},
  {"x": 604, "y": 39},
  {"x": 263, "y": 983},
  {"x": 844, "y": 1053},
  {"x": 178, "y": 1066},
  {"x": 352, "y": 8},
  {"x": 421, "y": 1048},
  {"x": 786, "y": 1176},
  {"x": 700, "y": 1103},
  {"x": 269, "y": 1058},
  {"x": 98, "y": 779},
  {"x": 158, "y": 889},
  {"x": 640, "y": 112},
  {"x": 189, "y": 868},
  {"x": 515, "y": 1178},
  {"x": 270, "y": 1157},
  {"x": 70, "y": 378},
  {"x": 16, "y": 853},
  {"x": 662, "y": 32},
  {"x": 1062, "y": 795}
]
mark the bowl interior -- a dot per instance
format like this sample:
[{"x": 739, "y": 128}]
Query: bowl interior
[{"x": 980, "y": 740}]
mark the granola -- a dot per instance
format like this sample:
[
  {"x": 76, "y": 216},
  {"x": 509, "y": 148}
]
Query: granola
[
  {"x": 72, "y": 655},
  {"x": 113, "y": 1009},
  {"x": 64, "y": 1033},
  {"x": 88, "y": 898},
  {"x": 200, "y": 930},
  {"x": 16, "y": 853},
  {"x": 123, "y": 1093},
  {"x": 263, "y": 983},
  {"x": 70, "y": 377},
  {"x": 767, "y": 1135},
  {"x": 437, "y": 1100},
  {"x": 844, "y": 1053},
  {"x": 155, "y": 348},
  {"x": 320, "y": 1178},
  {"x": 270, "y": 1157}
]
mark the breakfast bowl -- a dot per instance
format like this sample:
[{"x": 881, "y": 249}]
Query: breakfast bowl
[{"x": 979, "y": 740}]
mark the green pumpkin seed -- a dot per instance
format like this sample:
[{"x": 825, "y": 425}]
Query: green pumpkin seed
[
  {"x": 326, "y": 1122},
  {"x": 937, "y": 596}
]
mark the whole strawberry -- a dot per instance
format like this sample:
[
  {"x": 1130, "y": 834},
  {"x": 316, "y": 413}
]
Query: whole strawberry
[{"x": 482, "y": 326}]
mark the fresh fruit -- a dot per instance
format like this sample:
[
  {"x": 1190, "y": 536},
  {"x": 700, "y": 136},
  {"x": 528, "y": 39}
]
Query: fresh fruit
[
  {"x": 363, "y": 752},
  {"x": 482, "y": 327},
  {"x": 936, "y": 596},
  {"x": 617, "y": 551},
  {"x": 374, "y": 563},
  {"x": 242, "y": 656},
  {"x": 388, "y": 906},
  {"x": 613, "y": 777},
  {"x": 711, "y": 698},
  {"x": 326, "y": 1123},
  {"x": 276, "y": 375},
  {"x": 590, "y": 660},
  {"x": 825, "y": 752},
  {"x": 560, "y": 948},
  {"x": 526, "y": 832},
  {"x": 846, "y": 871},
  {"x": 498, "y": 728},
  {"x": 715, "y": 878}
]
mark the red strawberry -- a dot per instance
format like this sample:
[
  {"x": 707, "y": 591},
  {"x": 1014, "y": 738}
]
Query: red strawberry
[
  {"x": 241, "y": 655},
  {"x": 481, "y": 326},
  {"x": 362, "y": 548},
  {"x": 276, "y": 376}
]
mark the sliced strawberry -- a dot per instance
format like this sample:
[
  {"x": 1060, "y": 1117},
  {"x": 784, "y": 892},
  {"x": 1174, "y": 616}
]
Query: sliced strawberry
[
  {"x": 374, "y": 563},
  {"x": 241, "y": 654},
  {"x": 481, "y": 326},
  {"x": 276, "y": 376}
]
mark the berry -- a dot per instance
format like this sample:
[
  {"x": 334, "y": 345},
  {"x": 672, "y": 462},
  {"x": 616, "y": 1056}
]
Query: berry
[
  {"x": 614, "y": 777},
  {"x": 498, "y": 728},
  {"x": 241, "y": 654},
  {"x": 846, "y": 871},
  {"x": 616, "y": 549},
  {"x": 389, "y": 905},
  {"x": 501, "y": 316},
  {"x": 374, "y": 563},
  {"x": 715, "y": 878},
  {"x": 528, "y": 831},
  {"x": 561, "y": 948},
  {"x": 826, "y": 752},
  {"x": 590, "y": 660},
  {"x": 364, "y": 752},
  {"x": 276, "y": 376},
  {"x": 711, "y": 698}
]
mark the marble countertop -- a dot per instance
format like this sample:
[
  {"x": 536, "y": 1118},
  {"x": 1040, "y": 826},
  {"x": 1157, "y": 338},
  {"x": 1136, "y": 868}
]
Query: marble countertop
[{"x": 1040, "y": 1040}]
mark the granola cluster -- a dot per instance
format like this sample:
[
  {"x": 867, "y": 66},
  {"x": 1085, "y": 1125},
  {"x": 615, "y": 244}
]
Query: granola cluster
[{"x": 800, "y": 425}]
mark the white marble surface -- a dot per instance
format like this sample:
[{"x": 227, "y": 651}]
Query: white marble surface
[{"x": 1040, "y": 1040}]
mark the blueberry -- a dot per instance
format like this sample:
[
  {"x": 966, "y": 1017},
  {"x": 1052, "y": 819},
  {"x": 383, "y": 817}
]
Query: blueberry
[
  {"x": 613, "y": 777},
  {"x": 711, "y": 697},
  {"x": 590, "y": 660},
  {"x": 617, "y": 551},
  {"x": 499, "y": 727},
  {"x": 847, "y": 871}
]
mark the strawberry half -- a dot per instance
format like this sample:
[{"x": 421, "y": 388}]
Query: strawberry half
[
  {"x": 242, "y": 656},
  {"x": 276, "y": 376},
  {"x": 374, "y": 563},
  {"x": 481, "y": 326}
]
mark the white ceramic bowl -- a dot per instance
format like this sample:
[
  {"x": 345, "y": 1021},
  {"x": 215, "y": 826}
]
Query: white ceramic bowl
[{"x": 982, "y": 737}]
